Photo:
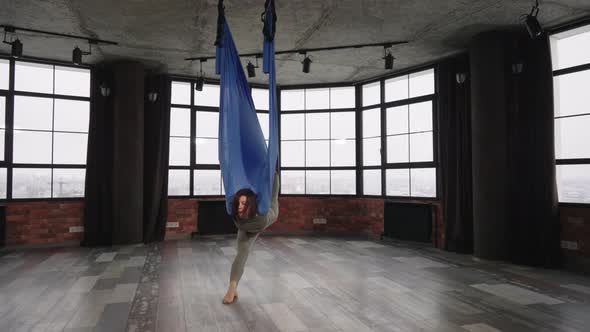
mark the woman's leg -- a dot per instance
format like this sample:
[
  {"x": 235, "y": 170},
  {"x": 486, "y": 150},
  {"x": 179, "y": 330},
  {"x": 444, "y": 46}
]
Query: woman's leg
[{"x": 245, "y": 243}]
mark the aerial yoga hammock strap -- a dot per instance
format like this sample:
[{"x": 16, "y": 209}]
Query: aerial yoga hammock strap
[{"x": 245, "y": 160}]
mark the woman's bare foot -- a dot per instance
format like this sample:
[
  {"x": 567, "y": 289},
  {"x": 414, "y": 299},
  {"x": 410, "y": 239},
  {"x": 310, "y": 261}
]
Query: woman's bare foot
[
  {"x": 231, "y": 294},
  {"x": 229, "y": 297}
]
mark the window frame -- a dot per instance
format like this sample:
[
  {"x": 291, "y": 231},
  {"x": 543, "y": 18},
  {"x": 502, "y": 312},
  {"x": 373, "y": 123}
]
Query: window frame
[
  {"x": 193, "y": 166},
  {"x": 10, "y": 95},
  {"x": 329, "y": 111},
  {"x": 383, "y": 106},
  {"x": 565, "y": 71}
]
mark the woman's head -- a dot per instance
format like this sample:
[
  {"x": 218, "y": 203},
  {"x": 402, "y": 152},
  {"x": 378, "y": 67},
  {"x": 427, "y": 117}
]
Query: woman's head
[{"x": 244, "y": 204}]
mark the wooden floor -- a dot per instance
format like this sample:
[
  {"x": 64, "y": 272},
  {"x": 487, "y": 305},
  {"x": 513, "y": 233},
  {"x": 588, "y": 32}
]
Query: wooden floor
[{"x": 290, "y": 284}]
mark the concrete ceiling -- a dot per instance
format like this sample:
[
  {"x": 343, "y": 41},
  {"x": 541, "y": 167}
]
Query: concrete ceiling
[{"x": 162, "y": 33}]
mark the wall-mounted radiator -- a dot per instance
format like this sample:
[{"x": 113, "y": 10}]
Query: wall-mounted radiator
[{"x": 408, "y": 221}]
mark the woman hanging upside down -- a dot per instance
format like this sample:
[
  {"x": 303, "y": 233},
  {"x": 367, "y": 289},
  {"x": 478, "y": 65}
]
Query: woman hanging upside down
[{"x": 250, "y": 225}]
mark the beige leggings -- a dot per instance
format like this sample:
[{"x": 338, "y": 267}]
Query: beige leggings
[{"x": 245, "y": 244}]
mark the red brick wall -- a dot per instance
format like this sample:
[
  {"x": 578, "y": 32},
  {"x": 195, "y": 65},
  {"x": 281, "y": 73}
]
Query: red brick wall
[
  {"x": 184, "y": 212},
  {"x": 37, "y": 223},
  {"x": 343, "y": 215}
]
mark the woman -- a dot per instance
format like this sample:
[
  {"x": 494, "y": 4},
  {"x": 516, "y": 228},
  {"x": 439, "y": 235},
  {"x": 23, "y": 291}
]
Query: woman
[{"x": 250, "y": 225}]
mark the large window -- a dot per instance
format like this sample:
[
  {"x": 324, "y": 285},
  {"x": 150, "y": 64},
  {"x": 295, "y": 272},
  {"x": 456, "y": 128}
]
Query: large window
[
  {"x": 44, "y": 121},
  {"x": 398, "y": 113},
  {"x": 570, "y": 52},
  {"x": 318, "y": 141},
  {"x": 194, "y": 137},
  {"x": 319, "y": 136}
]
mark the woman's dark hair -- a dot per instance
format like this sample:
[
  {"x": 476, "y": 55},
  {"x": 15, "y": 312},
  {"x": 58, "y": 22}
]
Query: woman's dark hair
[{"x": 252, "y": 206}]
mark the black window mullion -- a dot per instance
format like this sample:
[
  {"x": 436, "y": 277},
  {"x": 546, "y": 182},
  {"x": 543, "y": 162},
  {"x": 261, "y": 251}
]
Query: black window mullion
[
  {"x": 8, "y": 148},
  {"x": 52, "y": 131},
  {"x": 409, "y": 143},
  {"x": 383, "y": 127},
  {"x": 359, "y": 141},
  {"x": 193, "y": 135},
  {"x": 330, "y": 140},
  {"x": 435, "y": 138},
  {"x": 305, "y": 142},
  {"x": 571, "y": 70},
  {"x": 50, "y": 95},
  {"x": 571, "y": 116}
]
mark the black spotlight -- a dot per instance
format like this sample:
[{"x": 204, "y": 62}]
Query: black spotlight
[
  {"x": 77, "y": 56},
  {"x": 16, "y": 49},
  {"x": 251, "y": 69},
  {"x": 16, "y": 46},
  {"x": 200, "y": 80},
  {"x": 199, "y": 83},
  {"x": 532, "y": 24},
  {"x": 388, "y": 60},
  {"x": 306, "y": 64}
]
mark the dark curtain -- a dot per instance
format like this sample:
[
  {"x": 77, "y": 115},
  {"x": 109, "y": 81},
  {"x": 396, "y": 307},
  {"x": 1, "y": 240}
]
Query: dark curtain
[
  {"x": 534, "y": 224},
  {"x": 455, "y": 154},
  {"x": 98, "y": 209},
  {"x": 156, "y": 140}
]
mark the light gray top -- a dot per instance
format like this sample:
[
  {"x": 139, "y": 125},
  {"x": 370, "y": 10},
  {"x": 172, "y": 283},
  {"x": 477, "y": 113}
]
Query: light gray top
[{"x": 259, "y": 222}]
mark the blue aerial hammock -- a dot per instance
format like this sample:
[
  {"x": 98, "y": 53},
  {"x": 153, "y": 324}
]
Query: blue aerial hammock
[{"x": 245, "y": 160}]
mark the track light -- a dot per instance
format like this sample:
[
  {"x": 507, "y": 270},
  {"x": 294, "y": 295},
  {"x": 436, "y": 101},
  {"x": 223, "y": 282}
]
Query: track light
[
  {"x": 252, "y": 68},
  {"x": 17, "y": 45},
  {"x": 389, "y": 61},
  {"x": 200, "y": 79},
  {"x": 306, "y": 62},
  {"x": 388, "y": 57},
  {"x": 16, "y": 49},
  {"x": 532, "y": 24},
  {"x": 77, "y": 54},
  {"x": 199, "y": 83}
]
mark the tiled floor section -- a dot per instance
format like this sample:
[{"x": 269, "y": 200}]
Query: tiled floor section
[{"x": 290, "y": 284}]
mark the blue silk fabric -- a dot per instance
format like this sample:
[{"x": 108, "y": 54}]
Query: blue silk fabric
[{"x": 245, "y": 160}]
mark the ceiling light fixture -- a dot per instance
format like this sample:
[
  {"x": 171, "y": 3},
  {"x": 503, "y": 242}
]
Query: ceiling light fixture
[
  {"x": 388, "y": 57},
  {"x": 77, "y": 54},
  {"x": 532, "y": 24},
  {"x": 16, "y": 49},
  {"x": 17, "y": 45},
  {"x": 252, "y": 68},
  {"x": 306, "y": 62},
  {"x": 200, "y": 80}
]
